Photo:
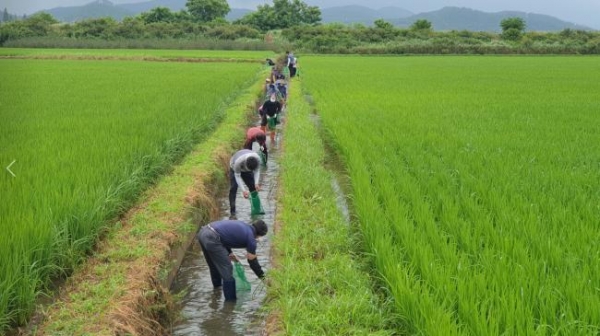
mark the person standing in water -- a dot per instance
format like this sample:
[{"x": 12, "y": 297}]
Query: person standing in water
[
  {"x": 270, "y": 112},
  {"x": 244, "y": 172},
  {"x": 217, "y": 239}
]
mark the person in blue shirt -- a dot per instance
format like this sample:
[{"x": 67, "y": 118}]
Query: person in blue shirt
[{"x": 218, "y": 238}]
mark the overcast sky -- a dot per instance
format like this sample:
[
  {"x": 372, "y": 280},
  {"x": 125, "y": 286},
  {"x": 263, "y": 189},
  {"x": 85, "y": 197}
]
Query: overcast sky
[{"x": 586, "y": 12}]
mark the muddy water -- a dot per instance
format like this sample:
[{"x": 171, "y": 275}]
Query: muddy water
[{"x": 204, "y": 311}]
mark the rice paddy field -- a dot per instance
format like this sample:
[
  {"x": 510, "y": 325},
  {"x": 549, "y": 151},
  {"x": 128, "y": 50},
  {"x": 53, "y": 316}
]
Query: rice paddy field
[
  {"x": 475, "y": 181},
  {"x": 86, "y": 138},
  {"x": 476, "y": 185},
  {"x": 206, "y": 54}
]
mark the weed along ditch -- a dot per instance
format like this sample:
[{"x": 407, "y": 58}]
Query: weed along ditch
[{"x": 202, "y": 309}]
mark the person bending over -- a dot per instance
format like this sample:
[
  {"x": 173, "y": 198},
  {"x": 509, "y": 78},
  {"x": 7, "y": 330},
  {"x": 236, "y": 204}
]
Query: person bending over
[
  {"x": 255, "y": 134},
  {"x": 243, "y": 172},
  {"x": 218, "y": 238}
]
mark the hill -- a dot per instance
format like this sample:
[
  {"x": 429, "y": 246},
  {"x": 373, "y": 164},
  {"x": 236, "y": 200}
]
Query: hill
[
  {"x": 95, "y": 9},
  {"x": 139, "y": 7},
  {"x": 456, "y": 18},
  {"x": 447, "y": 18},
  {"x": 361, "y": 14}
]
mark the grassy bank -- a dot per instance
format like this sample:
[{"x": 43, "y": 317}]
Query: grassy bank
[
  {"x": 318, "y": 286},
  {"x": 122, "y": 289}
]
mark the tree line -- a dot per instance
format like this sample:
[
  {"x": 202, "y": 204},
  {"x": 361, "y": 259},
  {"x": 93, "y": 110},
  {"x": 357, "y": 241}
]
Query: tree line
[{"x": 284, "y": 24}]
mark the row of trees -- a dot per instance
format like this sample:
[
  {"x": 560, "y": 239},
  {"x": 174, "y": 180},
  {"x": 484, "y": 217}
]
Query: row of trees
[
  {"x": 296, "y": 23},
  {"x": 420, "y": 38},
  {"x": 7, "y": 17},
  {"x": 201, "y": 19}
]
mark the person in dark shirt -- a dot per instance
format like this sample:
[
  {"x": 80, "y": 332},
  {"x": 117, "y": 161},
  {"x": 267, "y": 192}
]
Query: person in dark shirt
[
  {"x": 269, "y": 112},
  {"x": 217, "y": 239},
  {"x": 255, "y": 134}
]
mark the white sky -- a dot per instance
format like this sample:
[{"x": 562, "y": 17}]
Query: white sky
[{"x": 586, "y": 12}]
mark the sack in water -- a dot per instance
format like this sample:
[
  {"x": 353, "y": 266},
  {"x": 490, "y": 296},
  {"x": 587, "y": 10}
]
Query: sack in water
[
  {"x": 241, "y": 282},
  {"x": 255, "y": 205},
  {"x": 272, "y": 122}
]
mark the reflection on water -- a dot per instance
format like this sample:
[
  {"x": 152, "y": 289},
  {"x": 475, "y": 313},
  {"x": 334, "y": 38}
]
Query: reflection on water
[{"x": 204, "y": 311}]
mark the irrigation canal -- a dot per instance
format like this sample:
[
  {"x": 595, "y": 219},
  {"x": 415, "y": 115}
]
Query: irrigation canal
[{"x": 204, "y": 311}]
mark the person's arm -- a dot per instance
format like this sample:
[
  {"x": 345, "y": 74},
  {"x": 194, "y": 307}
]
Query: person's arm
[
  {"x": 237, "y": 172},
  {"x": 252, "y": 259},
  {"x": 255, "y": 266},
  {"x": 257, "y": 178},
  {"x": 241, "y": 184},
  {"x": 265, "y": 151}
]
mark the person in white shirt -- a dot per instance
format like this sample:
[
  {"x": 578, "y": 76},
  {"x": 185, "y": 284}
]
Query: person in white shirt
[{"x": 244, "y": 171}]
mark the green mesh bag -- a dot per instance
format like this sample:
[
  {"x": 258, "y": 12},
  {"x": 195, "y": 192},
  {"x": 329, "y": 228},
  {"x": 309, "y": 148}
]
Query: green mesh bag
[
  {"x": 241, "y": 283},
  {"x": 255, "y": 204},
  {"x": 272, "y": 122},
  {"x": 263, "y": 158}
]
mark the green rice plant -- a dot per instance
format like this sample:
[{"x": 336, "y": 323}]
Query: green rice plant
[
  {"x": 158, "y": 218},
  {"x": 139, "y": 53},
  {"x": 475, "y": 183},
  {"x": 87, "y": 138}
]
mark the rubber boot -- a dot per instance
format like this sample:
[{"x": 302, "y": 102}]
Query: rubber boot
[
  {"x": 255, "y": 205},
  {"x": 229, "y": 290}
]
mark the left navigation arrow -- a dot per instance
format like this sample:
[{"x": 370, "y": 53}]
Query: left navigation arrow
[{"x": 8, "y": 168}]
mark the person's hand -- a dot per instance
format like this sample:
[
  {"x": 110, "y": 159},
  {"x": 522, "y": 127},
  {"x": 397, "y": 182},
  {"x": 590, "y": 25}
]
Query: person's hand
[
  {"x": 258, "y": 187},
  {"x": 232, "y": 257},
  {"x": 246, "y": 194}
]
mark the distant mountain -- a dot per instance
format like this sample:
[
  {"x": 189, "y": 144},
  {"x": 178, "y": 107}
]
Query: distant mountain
[
  {"x": 455, "y": 18},
  {"x": 361, "y": 14},
  {"x": 447, "y": 18},
  {"x": 105, "y": 8},
  {"x": 139, "y": 7},
  {"x": 237, "y": 13},
  {"x": 176, "y": 6},
  {"x": 96, "y": 9}
]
